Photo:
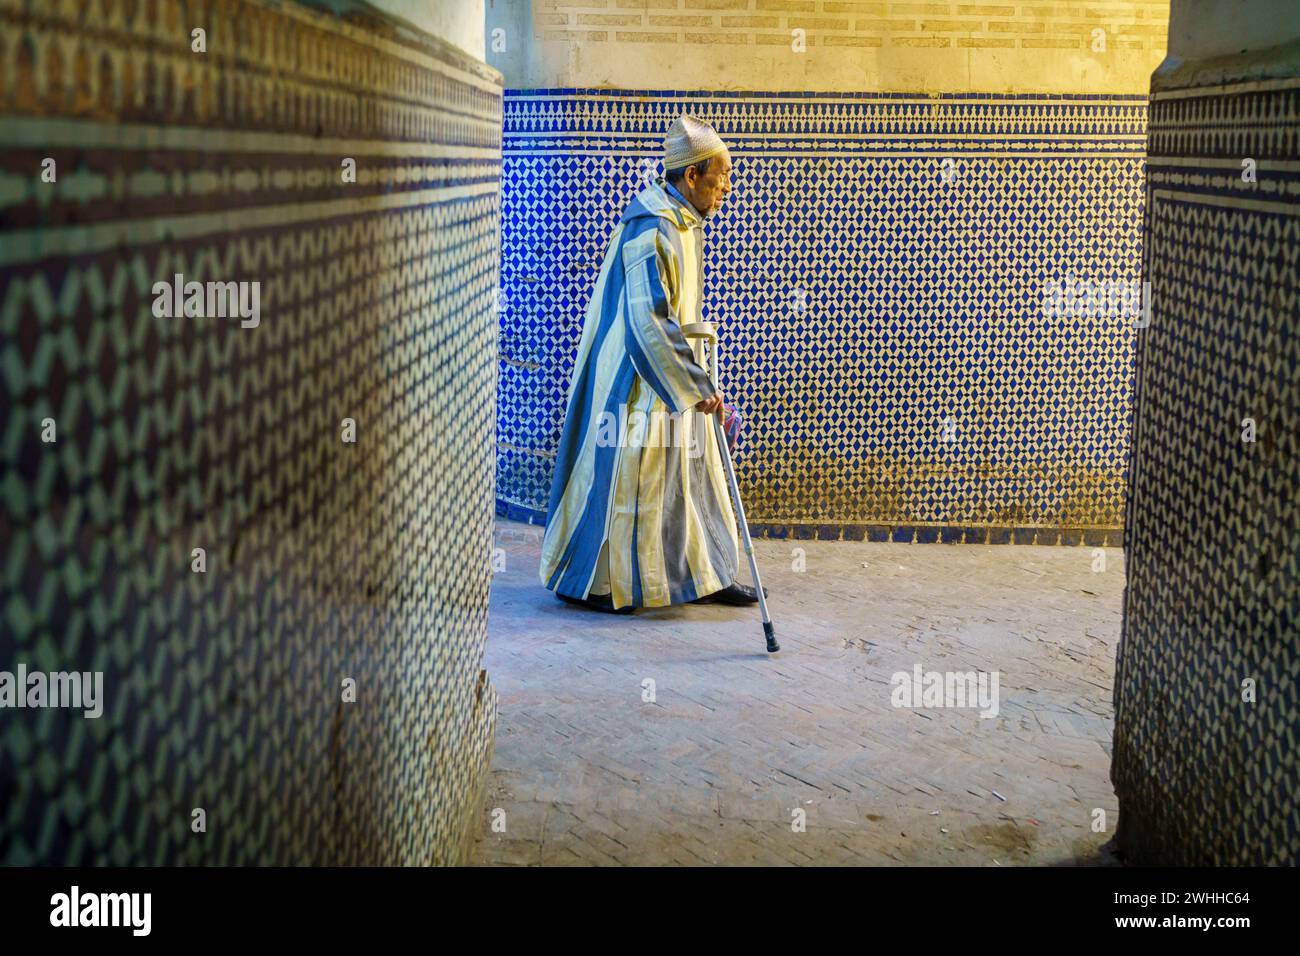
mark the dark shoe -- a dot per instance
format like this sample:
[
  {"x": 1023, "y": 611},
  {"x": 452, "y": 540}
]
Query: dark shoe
[
  {"x": 597, "y": 602},
  {"x": 735, "y": 594}
]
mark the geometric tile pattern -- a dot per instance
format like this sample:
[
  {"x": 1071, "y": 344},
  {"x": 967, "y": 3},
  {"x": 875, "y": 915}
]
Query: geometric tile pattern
[
  {"x": 326, "y": 560},
  {"x": 877, "y": 276},
  {"x": 1205, "y": 776}
]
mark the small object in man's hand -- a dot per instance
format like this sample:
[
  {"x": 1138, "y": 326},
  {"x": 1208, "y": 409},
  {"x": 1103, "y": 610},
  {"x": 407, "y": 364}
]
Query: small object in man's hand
[{"x": 731, "y": 422}]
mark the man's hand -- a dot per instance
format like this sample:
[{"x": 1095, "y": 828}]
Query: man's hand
[{"x": 711, "y": 405}]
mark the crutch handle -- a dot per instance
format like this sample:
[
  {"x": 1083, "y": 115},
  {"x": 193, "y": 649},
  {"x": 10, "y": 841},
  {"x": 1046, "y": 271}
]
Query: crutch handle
[{"x": 708, "y": 354}]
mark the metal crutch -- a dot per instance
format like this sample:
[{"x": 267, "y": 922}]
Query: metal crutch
[{"x": 708, "y": 336}]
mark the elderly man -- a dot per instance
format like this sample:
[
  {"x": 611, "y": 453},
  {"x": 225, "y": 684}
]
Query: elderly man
[{"x": 640, "y": 514}]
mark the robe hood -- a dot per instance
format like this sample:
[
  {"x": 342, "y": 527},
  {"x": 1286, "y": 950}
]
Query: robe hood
[{"x": 654, "y": 200}]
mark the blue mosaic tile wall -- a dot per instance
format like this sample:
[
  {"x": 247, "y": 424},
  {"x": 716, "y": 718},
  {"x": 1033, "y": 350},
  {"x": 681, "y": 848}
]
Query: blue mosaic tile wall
[{"x": 877, "y": 276}]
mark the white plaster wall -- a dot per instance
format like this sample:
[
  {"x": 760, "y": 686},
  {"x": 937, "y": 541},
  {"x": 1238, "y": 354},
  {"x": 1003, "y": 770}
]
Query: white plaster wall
[{"x": 459, "y": 22}]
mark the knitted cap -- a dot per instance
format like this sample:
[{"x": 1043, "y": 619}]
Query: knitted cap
[{"x": 690, "y": 140}]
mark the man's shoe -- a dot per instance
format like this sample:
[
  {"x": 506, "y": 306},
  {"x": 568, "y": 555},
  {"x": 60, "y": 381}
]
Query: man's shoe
[
  {"x": 597, "y": 602},
  {"x": 735, "y": 594}
]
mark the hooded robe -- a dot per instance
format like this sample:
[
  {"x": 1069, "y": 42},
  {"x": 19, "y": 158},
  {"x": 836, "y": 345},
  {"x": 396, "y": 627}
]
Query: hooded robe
[{"x": 639, "y": 506}]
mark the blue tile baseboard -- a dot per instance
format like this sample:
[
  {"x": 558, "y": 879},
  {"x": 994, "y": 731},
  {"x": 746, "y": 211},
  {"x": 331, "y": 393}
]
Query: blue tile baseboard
[
  {"x": 508, "y": 509},
  {"x": 903, "y": 534},
  {"x": 931, "y": 534}
]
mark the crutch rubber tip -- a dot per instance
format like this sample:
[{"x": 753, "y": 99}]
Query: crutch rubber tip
[{"x": 772, "y": 645}]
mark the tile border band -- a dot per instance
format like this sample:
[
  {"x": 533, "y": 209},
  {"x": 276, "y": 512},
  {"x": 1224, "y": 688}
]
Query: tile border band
[{"x": 32, "y": 245}]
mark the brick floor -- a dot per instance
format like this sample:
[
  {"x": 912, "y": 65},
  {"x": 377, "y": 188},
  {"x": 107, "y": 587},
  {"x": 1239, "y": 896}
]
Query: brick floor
[{"x": 735, "y": 740}]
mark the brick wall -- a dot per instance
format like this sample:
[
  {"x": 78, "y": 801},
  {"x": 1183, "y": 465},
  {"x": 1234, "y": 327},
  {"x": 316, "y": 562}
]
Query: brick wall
[{"x": 879, "y": 45}]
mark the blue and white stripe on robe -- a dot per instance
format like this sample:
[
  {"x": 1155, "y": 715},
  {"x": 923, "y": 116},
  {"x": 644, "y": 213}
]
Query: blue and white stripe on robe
[{"x": 639, "y": 505}]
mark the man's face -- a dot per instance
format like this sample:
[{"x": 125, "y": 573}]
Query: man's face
[{"x": 707, "y": 192}]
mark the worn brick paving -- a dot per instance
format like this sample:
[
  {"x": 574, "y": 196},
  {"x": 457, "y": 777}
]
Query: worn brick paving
[{"x": 710, "y": 771}]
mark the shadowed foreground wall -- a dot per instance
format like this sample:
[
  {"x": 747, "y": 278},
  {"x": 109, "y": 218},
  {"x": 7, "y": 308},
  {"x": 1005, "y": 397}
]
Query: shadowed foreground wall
[
  {"x": 1205, "y": 774},
  {"x": 326, "y": 560}
]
